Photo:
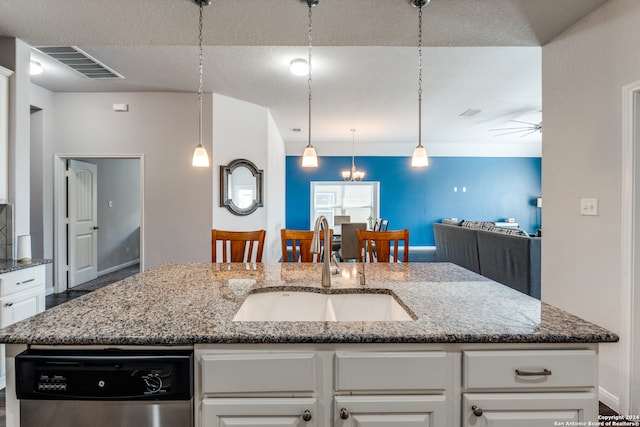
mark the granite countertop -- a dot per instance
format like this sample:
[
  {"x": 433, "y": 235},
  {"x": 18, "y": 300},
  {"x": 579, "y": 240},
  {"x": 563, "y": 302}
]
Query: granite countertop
[
  {"x": 9, "y": 265},
  {"x": 185, "y": 304}
]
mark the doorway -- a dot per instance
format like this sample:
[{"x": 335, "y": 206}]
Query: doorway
[
  {"x": 109, "y": 216},
  {"x": 630, "y": 266}
]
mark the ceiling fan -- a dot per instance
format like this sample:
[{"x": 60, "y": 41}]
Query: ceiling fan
[{"x": 527, "y": 129}]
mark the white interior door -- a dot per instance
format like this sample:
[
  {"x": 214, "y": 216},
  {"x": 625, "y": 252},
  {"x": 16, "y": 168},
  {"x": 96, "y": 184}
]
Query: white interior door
[{"x": 83, "y": 223}]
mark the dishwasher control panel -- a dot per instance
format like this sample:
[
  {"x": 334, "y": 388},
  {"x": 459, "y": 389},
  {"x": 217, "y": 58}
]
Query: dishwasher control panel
[{"x": 105, "y": 374}]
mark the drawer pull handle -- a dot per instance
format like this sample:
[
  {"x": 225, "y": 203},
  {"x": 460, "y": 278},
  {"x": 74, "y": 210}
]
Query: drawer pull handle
[
  {"x": 532, "y": 374},
  {"x": 344, "y": 414},
  {"x": 306, "y": 415},
  {"x": 9, "y": 304},
  {"x": 476, "y": 411},
  {"x": 26, "y": 281}
]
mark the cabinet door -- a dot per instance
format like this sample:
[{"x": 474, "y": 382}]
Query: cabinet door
[
  {"x": 389, "y": 411},
  {"x": 528, "y": 409},
  {"x": 260, "y": 412},
  {"x": 19, "y": 306}
]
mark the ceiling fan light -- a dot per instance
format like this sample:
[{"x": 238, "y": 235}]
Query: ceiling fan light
[
  {"x": 309, "y": 157},
  {"x": 419, "y": 158}
]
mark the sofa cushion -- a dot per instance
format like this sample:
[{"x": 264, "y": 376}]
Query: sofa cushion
[
  {"x": 477, "y": 225},
  {"x": 508, "y": 230}
]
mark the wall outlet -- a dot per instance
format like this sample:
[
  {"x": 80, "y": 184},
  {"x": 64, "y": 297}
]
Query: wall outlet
[{"x": 589, "y": 207}]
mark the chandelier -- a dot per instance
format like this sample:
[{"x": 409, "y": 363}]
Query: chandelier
[{"x": 353, "y": 174}]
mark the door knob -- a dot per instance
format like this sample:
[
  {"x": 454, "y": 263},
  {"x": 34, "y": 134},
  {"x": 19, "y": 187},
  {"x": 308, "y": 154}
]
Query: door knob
[
  {"x": 306, "y": 415},
  {"x": 344, "y": 414},
  {"x": 476, "y": 411}
]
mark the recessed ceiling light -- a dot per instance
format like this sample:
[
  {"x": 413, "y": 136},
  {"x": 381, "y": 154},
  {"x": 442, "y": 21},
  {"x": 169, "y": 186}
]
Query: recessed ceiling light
[
  {"x": 35, "y": 68},
  {"x": 299, "y": 67}
]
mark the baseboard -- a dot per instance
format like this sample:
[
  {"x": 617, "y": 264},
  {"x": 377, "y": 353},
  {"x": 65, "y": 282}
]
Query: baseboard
[
  {"x": 609, "y": 399},
  {"x": 119, "y": 267}
]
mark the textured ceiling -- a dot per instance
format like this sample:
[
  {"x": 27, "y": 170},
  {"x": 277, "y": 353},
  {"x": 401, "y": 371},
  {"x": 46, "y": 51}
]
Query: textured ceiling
[{"x": 480, "y": 54}]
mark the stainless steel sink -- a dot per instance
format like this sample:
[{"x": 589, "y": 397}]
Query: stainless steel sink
[{"x": 302, "y": 306}]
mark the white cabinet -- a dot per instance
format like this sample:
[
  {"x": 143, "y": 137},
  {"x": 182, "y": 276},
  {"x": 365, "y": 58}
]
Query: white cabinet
[
  {"x": 22, "y": 294},
  {"x": 419, "y": 381},
  {"x": 528, "y": 409},
  {"x": 396, "y": 411},
  {"x": 529, "y": 387},
  {"x": 250, "y": 412},
  {"x": 323, "y": 388},
  {"x": 4, "y": 132},
  {"x": 276, "y": 389},
  {"x": 387, "y": 385}
]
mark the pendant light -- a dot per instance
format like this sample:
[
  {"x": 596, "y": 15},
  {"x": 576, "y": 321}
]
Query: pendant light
[
  {"x": 419, "y": 158},
  {"x": 353, "y": 174},
  {"x": 309, "y": 157},
  {"x": 200, "y": 156}
]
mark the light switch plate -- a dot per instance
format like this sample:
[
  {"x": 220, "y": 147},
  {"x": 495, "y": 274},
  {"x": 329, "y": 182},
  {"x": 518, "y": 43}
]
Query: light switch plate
[{"x": 589, "y": 207}]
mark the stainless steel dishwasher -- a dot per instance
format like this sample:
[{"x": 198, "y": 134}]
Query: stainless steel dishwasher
[{"x": 99, "y": 388}]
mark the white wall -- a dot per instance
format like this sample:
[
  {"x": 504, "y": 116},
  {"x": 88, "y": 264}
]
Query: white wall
[
  {"x": 118, "y": 212},
  {"x": 164, "y": 128},
  {"x": 41, "y": 190},
  {"x": 583, "y": 72},
  {"x": 246, "y": 131},
  {"x": 275, "y": 189}
]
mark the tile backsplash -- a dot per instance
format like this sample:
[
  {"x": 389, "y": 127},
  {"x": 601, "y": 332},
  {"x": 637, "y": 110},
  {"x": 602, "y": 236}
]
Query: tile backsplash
[{"x": 6, "y": 231}]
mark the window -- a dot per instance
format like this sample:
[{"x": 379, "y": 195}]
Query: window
[{"x": 359, "y": 200}]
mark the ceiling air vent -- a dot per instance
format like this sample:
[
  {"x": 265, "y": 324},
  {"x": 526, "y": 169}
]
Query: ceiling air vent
[{"x": 78, "y": 60}]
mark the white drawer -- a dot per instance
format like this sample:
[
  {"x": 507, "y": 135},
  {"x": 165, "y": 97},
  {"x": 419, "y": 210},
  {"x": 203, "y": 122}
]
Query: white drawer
[
  {"x": 21, "y": 280},
  {"x": 529, "y": 369},
  {"x": 232, "y": 373},
  {"x": 387, "y": 371}
]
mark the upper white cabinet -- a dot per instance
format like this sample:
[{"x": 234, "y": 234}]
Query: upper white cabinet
[{"x": 4, "y": 132}]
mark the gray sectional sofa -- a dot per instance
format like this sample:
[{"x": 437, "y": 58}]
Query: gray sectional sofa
[{"x": 508, "y": 256}]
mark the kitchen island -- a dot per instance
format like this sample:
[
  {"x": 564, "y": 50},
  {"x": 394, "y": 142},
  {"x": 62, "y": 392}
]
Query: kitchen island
[{"x": 436, "y": 367}]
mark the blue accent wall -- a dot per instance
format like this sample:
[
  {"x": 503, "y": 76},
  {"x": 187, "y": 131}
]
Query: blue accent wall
[{"x": 497, "y": 188}]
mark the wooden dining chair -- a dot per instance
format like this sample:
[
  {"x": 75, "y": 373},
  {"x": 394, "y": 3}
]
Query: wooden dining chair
[
  {"x": 378, "y": 245},
  {"x": 237, "y": 246},
  {"x": 300, "y": 243}
]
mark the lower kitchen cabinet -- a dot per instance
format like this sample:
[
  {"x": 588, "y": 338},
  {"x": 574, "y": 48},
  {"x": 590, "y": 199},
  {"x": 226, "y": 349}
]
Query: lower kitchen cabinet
[
  {"x": 253, "y": 412},
  {"x": 527, "y": 409},
  {"x": 22, "y": 295},
  {"x": 397, "y": 411},
  {"x": 387, "y": 385}
]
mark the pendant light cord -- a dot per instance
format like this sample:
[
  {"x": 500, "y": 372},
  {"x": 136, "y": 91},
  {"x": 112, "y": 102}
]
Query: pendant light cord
[
  {"x": 200, "y": 75},
  {"x": 353, "y": 151},
  {"x": 420, "y": 77},
  {"x": 309, "y": 80}
]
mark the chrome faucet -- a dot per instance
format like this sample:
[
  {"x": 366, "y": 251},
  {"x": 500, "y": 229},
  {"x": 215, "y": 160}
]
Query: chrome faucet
[{"x": 321, "y": 221}]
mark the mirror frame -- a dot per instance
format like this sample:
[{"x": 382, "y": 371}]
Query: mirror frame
[{"x": 225, "y": 200}]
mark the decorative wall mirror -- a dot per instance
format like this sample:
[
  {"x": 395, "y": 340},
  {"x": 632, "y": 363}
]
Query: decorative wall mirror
[{"x": 241, "y": 187}]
